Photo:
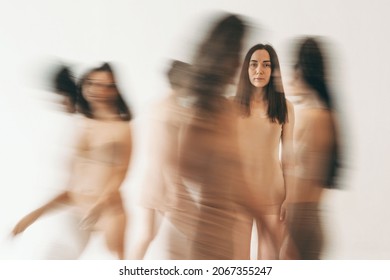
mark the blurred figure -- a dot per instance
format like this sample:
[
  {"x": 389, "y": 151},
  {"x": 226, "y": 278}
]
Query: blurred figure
[
  {"x": 317, "y": 152},
  {"x": 209, "y": 184},
  {"x": 266, "y": 122},
  {"x": 162, "y": 170},
  {"x": 99, "y": 165}
]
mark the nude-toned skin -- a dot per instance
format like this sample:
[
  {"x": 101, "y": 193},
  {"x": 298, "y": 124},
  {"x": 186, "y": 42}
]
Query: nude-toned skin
[
  {"x": 314, "y": 138},
  {"x": 162, "y": 170},
  {"x": 206, "y": 180},
  {"x": 199, "y": 210},
  {"x": 315, "y": 130},
  {"x": 165, "y": 120},
  {"x": 99, "y": 167},
  {"x": 210, "y": 165},
  {"x": 267, "y": 175}
]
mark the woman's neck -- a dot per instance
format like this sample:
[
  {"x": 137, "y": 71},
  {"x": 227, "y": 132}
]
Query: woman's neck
[
  {"x": 104, "y": 111},
  {"x": 258, "y": 95}
]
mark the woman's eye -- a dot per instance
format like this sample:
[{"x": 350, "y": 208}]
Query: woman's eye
[{"x": 267, "y": 65}]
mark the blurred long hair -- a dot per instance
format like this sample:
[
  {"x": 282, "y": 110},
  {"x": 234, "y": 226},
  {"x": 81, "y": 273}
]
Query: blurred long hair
[
  {"x": 64, "y": 84},
  {"x": 311, "y": 63},
  {"x": 215, "y": 62}
]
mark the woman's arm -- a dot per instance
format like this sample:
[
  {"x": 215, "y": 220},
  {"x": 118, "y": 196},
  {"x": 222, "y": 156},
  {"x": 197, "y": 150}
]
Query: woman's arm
[
  {"x": 58, "y": 201},
  {"x": 288, "y": 161},
  {"x": 30, "y": 218},
  {"x": 110, "y": 197}
]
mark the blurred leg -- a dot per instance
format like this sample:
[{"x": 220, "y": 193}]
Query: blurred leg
[
  {"x": 69, "y": 241},
  {"x": 145, "y": 228},
  {"x": 115, "y": 228},
  {"x": 242, "y": 236},
  {"x": 270, "y": 235}
]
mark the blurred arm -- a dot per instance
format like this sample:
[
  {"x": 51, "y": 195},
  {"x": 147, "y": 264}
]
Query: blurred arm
[
  {"x": 30, "y": 218},
  {"x": 111, "y": 195},
  {"x": 288, "y": 161}
]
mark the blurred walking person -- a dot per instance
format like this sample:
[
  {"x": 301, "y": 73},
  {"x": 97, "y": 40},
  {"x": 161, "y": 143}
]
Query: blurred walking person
[
  {"x": 209, "y": 184},
  {"x": 317, "y": 152},
  {"x": 99, "y": 167}
]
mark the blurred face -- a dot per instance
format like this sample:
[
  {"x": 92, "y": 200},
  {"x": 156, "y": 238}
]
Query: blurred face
[
  {"x": 260, "y": 68},
  {"x": 99, "y": 87}
]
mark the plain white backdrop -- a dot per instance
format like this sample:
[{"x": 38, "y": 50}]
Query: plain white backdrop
[{"x": 140, "y": 37}]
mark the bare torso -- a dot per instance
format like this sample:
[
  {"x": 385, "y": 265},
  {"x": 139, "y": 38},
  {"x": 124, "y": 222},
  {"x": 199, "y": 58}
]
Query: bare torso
[
  {"x": 313, "y": 138},
  {"x": 101, "y": 162},
  {"x": 259, "y": 141}
]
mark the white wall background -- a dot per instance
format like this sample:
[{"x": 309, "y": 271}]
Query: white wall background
[{"x": 140, "y": 36}]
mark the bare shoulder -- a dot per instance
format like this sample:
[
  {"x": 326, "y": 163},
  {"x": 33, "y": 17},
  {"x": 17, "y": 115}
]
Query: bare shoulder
[
  {"x": 84, "y": 122},
  {"x": 232, "y": 108},
  {"x": 126, "y": 128}
]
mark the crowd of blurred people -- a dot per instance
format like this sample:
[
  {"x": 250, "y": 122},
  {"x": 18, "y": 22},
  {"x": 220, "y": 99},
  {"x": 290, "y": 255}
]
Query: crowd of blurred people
[{"x": 220, "y": 167}]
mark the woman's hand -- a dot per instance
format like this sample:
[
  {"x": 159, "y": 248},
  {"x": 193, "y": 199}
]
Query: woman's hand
[
  {"x": 26, "y": 221},
  {"x": 91, "y": 217}
]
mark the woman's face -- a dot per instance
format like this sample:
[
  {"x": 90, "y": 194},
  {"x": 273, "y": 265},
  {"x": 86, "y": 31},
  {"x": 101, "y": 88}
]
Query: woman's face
[
  {"x": 99, "y": 87},
  {"x": 260, "y": 68}
]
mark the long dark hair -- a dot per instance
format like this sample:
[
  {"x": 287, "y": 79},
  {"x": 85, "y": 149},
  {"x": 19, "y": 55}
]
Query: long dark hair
[
  {"x": 64, "y": 84},
  {"x": 83, "y": 105},
  {"x": 210, "y": 72},
  {"x": 274, "y": 96},
  {"x": 311, "y": 62}
]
